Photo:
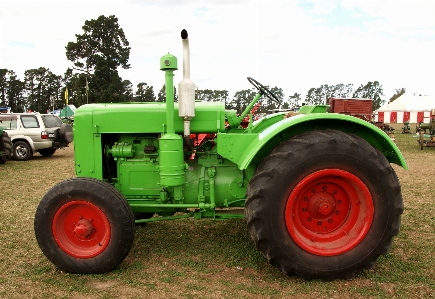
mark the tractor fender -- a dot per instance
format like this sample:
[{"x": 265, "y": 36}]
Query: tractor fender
[{"x": 282, "y": 130}]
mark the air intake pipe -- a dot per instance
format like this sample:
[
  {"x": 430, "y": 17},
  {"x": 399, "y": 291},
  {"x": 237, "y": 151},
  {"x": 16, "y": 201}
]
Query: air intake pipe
[{"x": 186, "y": 88}]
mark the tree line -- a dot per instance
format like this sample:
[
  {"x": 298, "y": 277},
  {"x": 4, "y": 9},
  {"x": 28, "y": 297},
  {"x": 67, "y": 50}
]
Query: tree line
[{"x": 93, "y": 77}]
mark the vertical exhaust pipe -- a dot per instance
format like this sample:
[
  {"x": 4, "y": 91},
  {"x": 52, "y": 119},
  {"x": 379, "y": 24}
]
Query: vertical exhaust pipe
[{"x": 186, "y": 88}]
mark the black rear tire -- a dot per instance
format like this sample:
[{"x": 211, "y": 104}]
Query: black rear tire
[
  {"x": 292, "y": 204},
  {"x": 5, "y": 147},
  {"x": 84, "y": 225},
  {"x": 47, "y": 152},
  {"x": 22, "y": 151}
]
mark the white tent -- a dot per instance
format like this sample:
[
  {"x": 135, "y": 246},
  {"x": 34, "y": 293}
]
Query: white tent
[{"x": 406, "y": 108}]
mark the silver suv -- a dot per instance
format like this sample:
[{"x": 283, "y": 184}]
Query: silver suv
[{"x": 34, "y": 132}]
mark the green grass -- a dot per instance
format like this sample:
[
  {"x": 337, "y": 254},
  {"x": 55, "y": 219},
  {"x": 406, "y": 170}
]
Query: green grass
[{"x": 208, "y": 259}]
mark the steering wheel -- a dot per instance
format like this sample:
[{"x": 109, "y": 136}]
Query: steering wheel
[{"x": 263, "y": 90}]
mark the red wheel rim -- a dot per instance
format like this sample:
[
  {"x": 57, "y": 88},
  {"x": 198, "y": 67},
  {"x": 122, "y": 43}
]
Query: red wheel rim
[
  {"x": 81, "y": 229},
  {"x": 329, "y": 212}
]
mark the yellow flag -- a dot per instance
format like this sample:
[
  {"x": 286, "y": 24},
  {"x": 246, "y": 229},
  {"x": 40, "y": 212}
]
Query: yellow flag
[{"x": 66, "y": 95}]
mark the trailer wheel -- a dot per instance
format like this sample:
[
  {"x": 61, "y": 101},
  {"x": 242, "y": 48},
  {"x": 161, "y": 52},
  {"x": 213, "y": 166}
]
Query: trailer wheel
[
  {"x": 84, "y": 225},
  {"x": 324, "y": 204}
]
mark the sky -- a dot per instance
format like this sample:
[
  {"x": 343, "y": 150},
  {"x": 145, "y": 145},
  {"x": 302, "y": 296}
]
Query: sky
[{"x": 291, "y": 44}]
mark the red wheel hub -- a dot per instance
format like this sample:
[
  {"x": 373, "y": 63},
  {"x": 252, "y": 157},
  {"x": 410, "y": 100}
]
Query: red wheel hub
[
  {"x": 329, "y": 212},
  {"x": 81, "y": 229}
]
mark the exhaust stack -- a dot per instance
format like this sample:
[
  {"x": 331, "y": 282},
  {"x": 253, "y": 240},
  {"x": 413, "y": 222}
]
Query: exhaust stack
[{"x": 186, "y": 88}]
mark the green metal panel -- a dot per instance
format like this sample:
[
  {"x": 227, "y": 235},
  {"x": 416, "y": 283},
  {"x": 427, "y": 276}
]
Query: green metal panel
[
  {"x": 87, "y": 146},
  {"x": 307, "y": 109},
  {"x": 149, "y": 117},
  {"x": 233, "y": 145},
  {"x": 209, "y": 172},
  {"x": 266, "y": 121},
  {"x": 171, "y": 160},
  {"x": 244, "y": 153},
  {"x": 138, "y": 179}
]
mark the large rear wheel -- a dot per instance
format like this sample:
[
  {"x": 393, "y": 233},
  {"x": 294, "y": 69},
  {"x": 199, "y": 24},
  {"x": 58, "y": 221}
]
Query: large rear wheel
[
  {"x": 84, "y": 225},
  {"x": 324, "y": 204},
  {"x": 22, "y": 151},
  {"x": 5, "y": 147}
]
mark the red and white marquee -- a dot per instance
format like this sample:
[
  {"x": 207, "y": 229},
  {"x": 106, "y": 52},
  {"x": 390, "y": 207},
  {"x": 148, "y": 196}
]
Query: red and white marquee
[
  {"x": 412, "y": 109},
  {"x": 402, "y": 116}
]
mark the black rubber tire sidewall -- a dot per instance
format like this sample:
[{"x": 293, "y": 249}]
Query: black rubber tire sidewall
[
  {"x": 5, "y": 147},
  {"x": 29, "y": 151},
  {"x": 277, "y": 244},
  {"x": 105, "y": 197},
  {"x": 47, "y": 152}
]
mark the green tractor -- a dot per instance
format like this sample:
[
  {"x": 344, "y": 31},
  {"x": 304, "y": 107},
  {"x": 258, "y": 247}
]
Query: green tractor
[
  {"x": 5, "y": 143},
  {"x": 319, "y": 195}
]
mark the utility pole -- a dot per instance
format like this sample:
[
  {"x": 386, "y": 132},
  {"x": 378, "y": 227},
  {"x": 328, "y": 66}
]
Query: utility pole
[{"x": 87, "y": 90}]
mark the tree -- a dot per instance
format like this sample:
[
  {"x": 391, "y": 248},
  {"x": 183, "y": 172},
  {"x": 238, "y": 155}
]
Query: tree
[
  {"x": 267, "y": 104},
  {"x": 208, "y": 95},
  {"x": 372, "y": 90},
  {"x": 292, "y": 102},
  {"x": 76, "y": 83},
  {"x": 11, "y": 91},
  {"x": 41, "y": 87},
  {"x": 15, "y": 93},
  {"x": 161, "y": 97},
  {"x": 399, "y": 92},
  {"x": 3, "y": 86},
  {"x": 241, "y": 99},
  {"x": 204, "y": 95},
  {"x": 341, "y": 90},
  {"x": 98, "y": 52},
  {"x": 315, "y": 96},
  {"x": 127, "y": 96},
  {"x": 145, "y": 93},
  {"x": 321, "y": 95}
]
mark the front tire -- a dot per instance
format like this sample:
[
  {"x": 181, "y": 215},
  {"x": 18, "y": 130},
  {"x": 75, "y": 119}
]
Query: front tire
[
  {"x": 324, "y": 204},
  {"x": 85, "y": 226}
]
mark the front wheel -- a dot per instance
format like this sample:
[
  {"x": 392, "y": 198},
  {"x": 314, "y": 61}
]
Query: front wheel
[
  {"x": 84, "y": 225},
  {"x": 324, "y": 204}
]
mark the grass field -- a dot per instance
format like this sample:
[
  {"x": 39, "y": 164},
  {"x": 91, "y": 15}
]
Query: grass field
[{"x": 208, "y": 259}]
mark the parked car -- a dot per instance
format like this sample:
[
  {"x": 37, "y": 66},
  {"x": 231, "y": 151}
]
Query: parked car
[{"x": 34, "y": 132}]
